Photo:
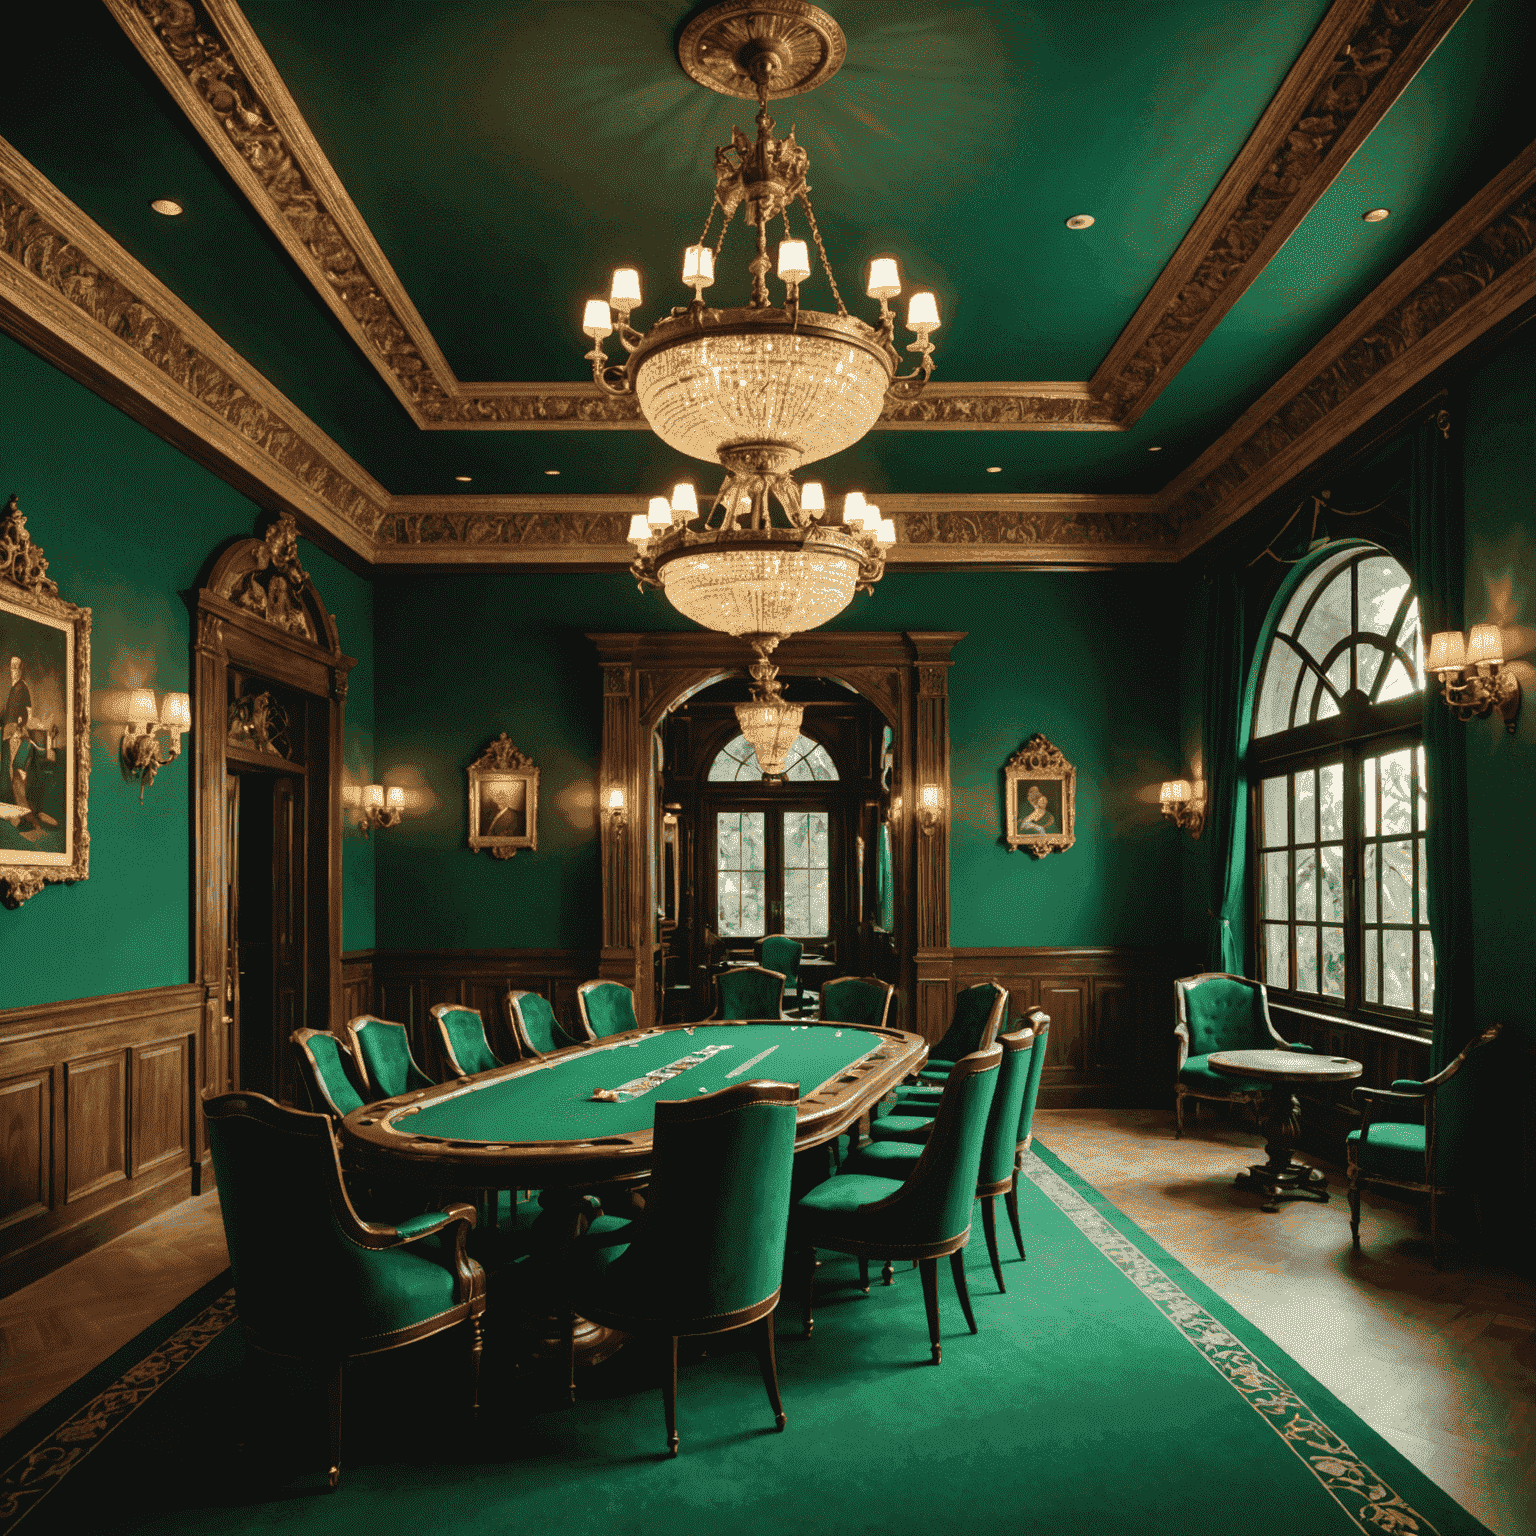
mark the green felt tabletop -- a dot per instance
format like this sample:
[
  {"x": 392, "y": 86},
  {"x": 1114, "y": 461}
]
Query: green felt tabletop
[{"x": 554, "y": 1102}]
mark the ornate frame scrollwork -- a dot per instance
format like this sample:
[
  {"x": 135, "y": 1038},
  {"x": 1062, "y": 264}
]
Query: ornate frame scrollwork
[
  {"x": 1047, "y": 822},
  {"x": 503, "y": 798},
  {"x": 45, "y": 736}
]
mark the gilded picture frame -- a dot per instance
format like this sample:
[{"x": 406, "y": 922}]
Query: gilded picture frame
[
  {"x": 1040, "y": 799},
  {"x": 503, "y": 801},
  {"x": 45, "y": 731}
]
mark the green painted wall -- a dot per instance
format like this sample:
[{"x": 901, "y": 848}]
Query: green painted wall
[
  {"x": 127, "y": 523},
  {"x": 461, "y": 659},
  {"x": 1499, "y": 460}
]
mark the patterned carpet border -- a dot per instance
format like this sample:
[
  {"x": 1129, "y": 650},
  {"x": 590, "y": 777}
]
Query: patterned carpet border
[
  {"x": 32, "y": 1476},
  {"x": 1369, "y": 1501}
]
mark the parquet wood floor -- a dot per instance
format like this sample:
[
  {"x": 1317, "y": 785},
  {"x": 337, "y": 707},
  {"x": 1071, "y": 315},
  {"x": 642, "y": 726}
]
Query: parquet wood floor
[{"x": 1441, "y": 1363}]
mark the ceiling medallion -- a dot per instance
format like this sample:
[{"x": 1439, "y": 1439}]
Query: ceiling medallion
[{"x": 764, "y": 388}]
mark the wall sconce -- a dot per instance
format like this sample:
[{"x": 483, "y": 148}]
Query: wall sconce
[
  {"x": 1180, "y": 804},
  {"x": 142, "y": 758},
  {"x": 381, "y": 807},
  {"x": 1471, "y": 670},
  {"x": 615, "y": 808},
  {"x": 928, "y": 813}
]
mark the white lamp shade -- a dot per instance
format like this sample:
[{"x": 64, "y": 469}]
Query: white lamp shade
[
  {"x": 1485, "y": 642},
  {"x": 884, "y": 279},
  {"x": 886, "y": 532},
  {"x": 625, "y": 293},
  {"x": 1447, "y": 651},
  {"x": 922, "y": 312},
  {"x": 853, "y": 507},
  {"x": 698, "y": 266},
  {"x": 812, "y": 498},
  {"x": 351, "y": 794},
  {"x": 615, "y": 799},
  {"x": 684, "y": 499},
  {"x": 930, "y": 797},
  {"x": 394, "y": 798},
  {"x": 659, "y": 514},
  {"x": 597, "y": 322},
  {"x": 176, "y": 712},
  {"x": 373, "y": 797},
  {"x": 639, "y": 528},
  {"x": 141, "y": 706},
  {"x": 1175, "y": 790},
  {"x": 794, "y": 261}
]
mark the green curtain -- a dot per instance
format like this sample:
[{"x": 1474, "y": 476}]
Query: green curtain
[
  {"x": 1439, "y": 571},
  {"x": 1223, "y": 740}
]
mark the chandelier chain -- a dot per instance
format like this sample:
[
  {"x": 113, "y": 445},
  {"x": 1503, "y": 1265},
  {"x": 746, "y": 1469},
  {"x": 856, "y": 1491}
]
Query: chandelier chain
[{"x": 810, "y": 214}]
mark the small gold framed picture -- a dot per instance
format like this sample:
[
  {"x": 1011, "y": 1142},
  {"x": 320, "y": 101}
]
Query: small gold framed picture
[
  {"x": 1041, "y": 796},
  {"x": 503, "y": 801}
]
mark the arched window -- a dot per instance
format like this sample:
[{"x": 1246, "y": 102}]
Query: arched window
[
  {"x": 807, "y": 760},
  {"x": 1336, "y": 771}
]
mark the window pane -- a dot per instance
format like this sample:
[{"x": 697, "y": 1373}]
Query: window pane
[
  {"x": 1306, "y": 883},
  {"x": 816, "y": 923},
  {"x": 1369, "y": 793},
  {"x": 1277, "y": 955},
  {"x": 1398, "y": 684},
  {"x": 1396, "y": 968},
  {"x": 1273, "y": 798},
  {"x": 1333, "y": 962},
  {"x": 796, "y": 905},
  {"x": 1422, "y": 916},
  {"x": 1277, "y": 885},
  {"x": 1397, "y": 882},
  {"x": 1327, "y": 706},
  {"x": 1369, "y": 882},
  {"x": 1306, "y": 807},
  {"x": 740, "y": 883},
  {"x": 1397, "y": 791},
  {"x": 1410, "y": 641},
  {"x": 730, "y": 840},
  {"x": 1368, "y": 659},
  {"x": 753, "y": 838},
  {"x": 1426, "y": 972},
  {"x": 1423, "y": 790},
  {"x": 819, "y": 840},
  {"x": 1332, "y": 890},
  {"x": 1383, "y": 583},
  {"x": 1330, "y": 782},
  {"x": 1372, "y": 970},
  {"x": 805, "y": 873},
  {"x": 1274, "y": 708},
  {"x": 1338, "y": 672},
  {"x": 1330, "y": 619},
  {"x": 1306, "y": 959}
]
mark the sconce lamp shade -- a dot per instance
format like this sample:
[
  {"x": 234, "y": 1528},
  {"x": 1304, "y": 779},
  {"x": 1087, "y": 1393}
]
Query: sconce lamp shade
[
  {"x": 639, "y": 528},
  {"x": 885, "y": 532},
  {"x": 930, "y": 797},
  {"x": 698, "y": 266},
  {"x": 794, "y": 261},
  {"x": 373, "y": 797},
  {"x": 615, "y": 799},
  {"x": 351, "y": 794},
  {"x": 394, "y": 798},
  {"x": 1485, "y": 643},
  {"x": 1175, "y": 791},
  {"x": 176, "y": 712},
  {"x": 141, "y": 706},
  {"x": 1447, "y": 651}
]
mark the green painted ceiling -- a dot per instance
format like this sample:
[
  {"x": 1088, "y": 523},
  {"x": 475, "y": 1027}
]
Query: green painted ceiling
[{"x": 507, "y": 155}]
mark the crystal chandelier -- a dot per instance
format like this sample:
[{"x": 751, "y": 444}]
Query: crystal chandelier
[{"x": 761, "y": 389}]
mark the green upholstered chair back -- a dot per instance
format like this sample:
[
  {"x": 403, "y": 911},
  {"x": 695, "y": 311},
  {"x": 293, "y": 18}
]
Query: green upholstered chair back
[
  {"x": 1218, "y": 1012},
  {"x": 606, "y": 1008},
  {"x": 1456, "y": 1103},
  {"x": 934, "y": 1204},
  {"x": 999, "y": 1147},
  {"x": 1040, "y": 1023},
  {"x": 979, "y": 1013},
  {"x": 533, "y": 1024},
  {"x": 782, "y": 954},
  {"x": 857, "y": 1000},
  {"x": 464, "y": 1043},
  {"x": 717, "y": 1207},
  {"x": 384, "y": 1051},
  {"x": 749, "y": 992},
  {"x": 325, "y": 1069}
]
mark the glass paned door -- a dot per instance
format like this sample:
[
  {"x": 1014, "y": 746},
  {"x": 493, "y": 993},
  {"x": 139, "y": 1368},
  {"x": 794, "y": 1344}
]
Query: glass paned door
[
  {"x": 805, "y": 874},
  {"x": 741, "y": 874},
  {"x": 773, "y": 873},
  {"x": 1399, "y": 953}
]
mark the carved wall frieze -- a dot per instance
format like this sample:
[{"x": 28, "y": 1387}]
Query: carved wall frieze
[
  {"x": 978, "y": 406},
  {"x": 1020, "y": 527},
  {"x": 529, "y": 528}
]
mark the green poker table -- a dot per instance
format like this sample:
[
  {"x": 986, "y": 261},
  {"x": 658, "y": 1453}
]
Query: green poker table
[{"x": 585, "y": 1115}]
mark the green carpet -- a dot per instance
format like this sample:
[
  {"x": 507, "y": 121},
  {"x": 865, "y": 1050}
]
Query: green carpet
[{"x": 1108, "y": 1391}]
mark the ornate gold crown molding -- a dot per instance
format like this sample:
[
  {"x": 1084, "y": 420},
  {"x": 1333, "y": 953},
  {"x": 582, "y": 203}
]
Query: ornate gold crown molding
[
  {"x": 74, "y": 294},
  {"x": 1362, "y": 56}
]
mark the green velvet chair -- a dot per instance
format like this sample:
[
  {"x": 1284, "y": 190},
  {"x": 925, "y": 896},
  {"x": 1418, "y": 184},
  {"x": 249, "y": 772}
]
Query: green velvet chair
[
  {"x": 1219, "y": 1012},
  {"x": 709, "y": 1253},
  {"x": 533, "y": 1024},
  {"x": 979, "y": 1013},
  {"x": 899, "y": 1142},
  {"x": 605, "y": 1008},
  {"x": 328, "y": 1072},
  {"x": 779, "y": 953},
  {"x": 749, "y": 992},
  {"x": 924, "y": 1216},
  {"x": 313, "y": 1280},
  {"x": 1410, "y": 1155},
  {"x": 383, "y": 1050},
  {"x": 465, "y": 1047},
  {"x": 857, "y": 1000}
]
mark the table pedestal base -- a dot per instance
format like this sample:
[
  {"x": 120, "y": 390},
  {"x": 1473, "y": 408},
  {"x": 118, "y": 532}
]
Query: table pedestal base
[{"x": 1293, "y": 1181}]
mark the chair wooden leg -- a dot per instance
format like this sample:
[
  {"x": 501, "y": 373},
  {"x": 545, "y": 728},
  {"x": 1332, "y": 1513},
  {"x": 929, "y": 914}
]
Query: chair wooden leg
[
  {"x": 929, "y": 1269},
  {"x": 864, "y": 1275},
  {"x": 333, "y": 1405},
  {"x": 810, "y": 1285},
  {"x": 770, "y": 1368},
  {"x": 669, "y": 1397},
  {"x": 989, "y": 1227},
  {"x": 957, "y": 1269},
  {"x": 1011, "y": 1199},
  {"x": 1178, "y": 1114},
  {"x": 1434, "y": 1227},
  {"x": 1354, "y": 1207},
  {"x": 888, "y": 1273},
  {"x": 476, "y": 1347}
]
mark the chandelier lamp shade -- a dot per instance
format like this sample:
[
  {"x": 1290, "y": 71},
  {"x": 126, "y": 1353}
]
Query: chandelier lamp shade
[{"x": 766, "y": 387}]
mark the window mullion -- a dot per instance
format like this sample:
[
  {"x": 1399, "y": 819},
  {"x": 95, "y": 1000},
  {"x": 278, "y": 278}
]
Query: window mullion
[{"x": 1354, "y": 826}]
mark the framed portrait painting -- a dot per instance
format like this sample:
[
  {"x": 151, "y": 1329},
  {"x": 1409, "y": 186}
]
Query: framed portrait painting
[
  {"x": 503, "y": 801},
  {"x": 1040, "y": 795},
  {"x": 45, "y": 686}
]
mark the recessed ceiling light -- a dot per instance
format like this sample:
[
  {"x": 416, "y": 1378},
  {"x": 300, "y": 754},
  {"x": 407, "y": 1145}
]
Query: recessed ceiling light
[
  {"x": 168, "y": 206},
  {"x": 1376, "y": 215},
  {"x": 551, "y": 471},
  {"x": 463, "y": 479},
  {"x": 1156, "y": 448},
  {"x": 1080, "y": 221},
  {"x": 994, "y": 469}
]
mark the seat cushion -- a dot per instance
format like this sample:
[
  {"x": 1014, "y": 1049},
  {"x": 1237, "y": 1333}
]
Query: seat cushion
[
  {"x": 884, "y": 1159},
  {"x": 840, "y": 1196},
  {"x": 901, "y": 1128},
  {"x": 1392, "y": 1149},
  {"x": 1197, "y": 1075}
]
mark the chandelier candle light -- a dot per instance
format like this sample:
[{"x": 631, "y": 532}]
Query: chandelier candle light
[{"x": 761, "y": 389}]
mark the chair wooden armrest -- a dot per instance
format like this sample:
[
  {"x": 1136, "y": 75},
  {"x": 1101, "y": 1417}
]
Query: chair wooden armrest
[
  {"x": 1370, "y": 1097},
  {"x": 468, "y": 1278}
]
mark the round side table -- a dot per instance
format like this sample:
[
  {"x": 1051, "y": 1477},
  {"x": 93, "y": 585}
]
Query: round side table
[{"x": 1278, "y": 1178}]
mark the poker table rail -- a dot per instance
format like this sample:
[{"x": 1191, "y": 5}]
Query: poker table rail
[{"x": 380, "y": 1138}]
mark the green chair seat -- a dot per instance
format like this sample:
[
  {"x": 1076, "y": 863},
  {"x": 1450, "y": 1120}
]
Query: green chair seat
[
  {"x": 885, "y": 1159},
  {"x": 1219, "y": 1012},
  {"x": 901, "y": 1128},
  {"x": 1198, "y": 1074},
  {"x": 1392, "y": 1149},
  {"x": 846, "y": 1192}
]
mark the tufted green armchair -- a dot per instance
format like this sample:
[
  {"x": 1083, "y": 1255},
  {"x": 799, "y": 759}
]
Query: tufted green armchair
[
  {"x": 1219, "y": 1012},
  {"x": 1409, "y": 1155},
  {"x": 313, "y": 1280},
  {"x": 605, "y": 1008}
]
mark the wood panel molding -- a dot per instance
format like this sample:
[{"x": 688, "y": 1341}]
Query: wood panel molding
[{"x": 97, "y": 1121}]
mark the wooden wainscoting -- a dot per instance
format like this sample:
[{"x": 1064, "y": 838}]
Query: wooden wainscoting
[
  {"x": 356, "y": 983},
  {"x": 405, "y": 983},
  {"x": 1111, "y": 1040},
  {"x": 97, "y": 1099}
]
